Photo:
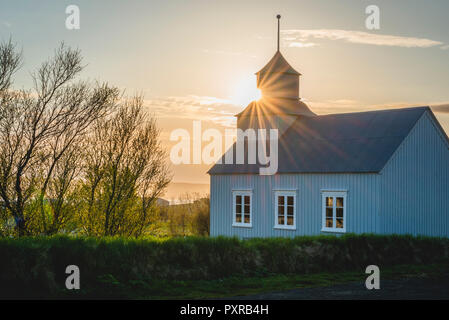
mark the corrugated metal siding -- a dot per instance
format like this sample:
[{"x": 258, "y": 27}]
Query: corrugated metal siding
[
  {"x": 362, "y": 202},
  {"x": 415, "y": 184}
]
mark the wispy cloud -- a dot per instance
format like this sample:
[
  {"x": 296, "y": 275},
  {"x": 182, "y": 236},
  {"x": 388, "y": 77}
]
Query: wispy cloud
[
  {"x": 296, "y": 44},
  {"x": 216, "y": 110},
  {"x": 5, "y": 24},
  {"x": 300, "y": 38},
  {"x": 222, "y": 111}
]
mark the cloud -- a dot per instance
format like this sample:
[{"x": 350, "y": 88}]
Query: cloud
[
  {"x": 179, "y": 111},
  {"x": 6, "y": 24},
  {"x": 301, "y": 44},
  {"x": 441, "y": 108},
  {"x": 216, "y": 110},
  {"x": 221, "y": 111},
  {"x": 295, "y": 38}
]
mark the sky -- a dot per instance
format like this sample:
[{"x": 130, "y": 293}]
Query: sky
[{"x": 195, "y": 60}]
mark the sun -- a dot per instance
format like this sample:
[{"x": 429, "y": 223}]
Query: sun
[{"x": 244, "y": 91}]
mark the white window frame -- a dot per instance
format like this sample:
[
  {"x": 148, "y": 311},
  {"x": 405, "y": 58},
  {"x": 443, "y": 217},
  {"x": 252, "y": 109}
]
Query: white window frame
[
  {"x": 334, "y": 194},
  {"x": 242, "y": 193},
  {"x": 285, "y": 193}
]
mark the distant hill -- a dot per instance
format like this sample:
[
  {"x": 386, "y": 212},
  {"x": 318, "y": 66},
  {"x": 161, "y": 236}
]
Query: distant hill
[
  {"x": 162, "y": 202},
  {"x": 177, "y": 189}
]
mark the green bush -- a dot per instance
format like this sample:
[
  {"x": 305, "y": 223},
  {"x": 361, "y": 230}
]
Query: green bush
[{"x": 36, "y": 266}]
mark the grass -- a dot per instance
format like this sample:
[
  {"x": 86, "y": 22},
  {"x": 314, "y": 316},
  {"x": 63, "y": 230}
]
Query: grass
[{"x": 241, "y": 286}]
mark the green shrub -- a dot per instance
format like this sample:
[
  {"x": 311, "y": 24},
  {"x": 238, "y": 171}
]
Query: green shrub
[{"x": 36, "y": 266}]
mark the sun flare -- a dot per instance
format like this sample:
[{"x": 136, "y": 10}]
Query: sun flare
[{"x": 245, "y": 91}]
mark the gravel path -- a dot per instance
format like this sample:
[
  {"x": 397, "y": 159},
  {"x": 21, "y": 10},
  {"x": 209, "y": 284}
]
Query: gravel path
[{"x": 411, "y": 288}]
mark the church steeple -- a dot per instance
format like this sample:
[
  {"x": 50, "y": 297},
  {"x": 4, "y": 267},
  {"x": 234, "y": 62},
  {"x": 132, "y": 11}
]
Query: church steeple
[
  {"x": 278, "y": 79},
  {"x": 279, "y": 28},
  {"x": 280, "y": 104}
]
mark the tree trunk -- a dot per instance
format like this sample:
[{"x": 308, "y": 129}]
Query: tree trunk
[{"x": 20, "y": 226}]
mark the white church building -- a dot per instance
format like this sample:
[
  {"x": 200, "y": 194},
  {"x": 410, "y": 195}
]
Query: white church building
[{"x": 384, "y": 172}]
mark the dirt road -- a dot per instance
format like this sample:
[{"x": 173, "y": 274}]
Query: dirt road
[{"x": 412, "y": 288}]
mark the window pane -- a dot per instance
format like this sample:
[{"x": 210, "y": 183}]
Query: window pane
[
  {"x": 329, "y": 213},
  {"x": 238, "y": 218},
  {"x": 280, "y": 210},
  {"x": 290, "y": 210},
  {"x": 238, "y": 208},
  {"x": 329, "y": 222},
  {"x": 339, "y": 223},
  {"x": 246, "y": 199},
  {"x": 339, "y": 212},
  {"x": 281, "y": 200},
  {"x": 247, "y": 208},
  {"x": 340, "y": 202},
  {"x": 290, "y": 200},
  {"x": 247, "y": 220},
  {"x": 238, "y": 199},
  {"x": 290, "y": 220},
  {"x": 329, "y": 201},
  {"x": 280, "y": 219}
]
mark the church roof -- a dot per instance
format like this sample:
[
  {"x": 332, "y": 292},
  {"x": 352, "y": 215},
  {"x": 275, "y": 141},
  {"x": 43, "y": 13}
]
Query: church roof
[
  {"x": 361, "y": 142},
  {"x": 278, "y": 64}
]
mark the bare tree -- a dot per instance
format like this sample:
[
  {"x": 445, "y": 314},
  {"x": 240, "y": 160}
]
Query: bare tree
[
  {"x": 37, "y": 127},
  {"x": 126, "y": 173},
  {"x": 56, "y": 209},
  {"x": 62, "y": 162},
  {"x": 67, "y": 145},
  {"x": 10, "y": 61}
]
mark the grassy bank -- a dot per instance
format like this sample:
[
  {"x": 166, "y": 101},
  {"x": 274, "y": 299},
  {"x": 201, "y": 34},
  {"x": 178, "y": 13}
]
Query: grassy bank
[{"x": 157, "y": 268}]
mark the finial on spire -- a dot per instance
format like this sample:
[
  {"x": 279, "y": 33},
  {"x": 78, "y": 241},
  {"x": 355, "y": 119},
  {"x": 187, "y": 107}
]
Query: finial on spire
[{"x": 279, "y": 18}]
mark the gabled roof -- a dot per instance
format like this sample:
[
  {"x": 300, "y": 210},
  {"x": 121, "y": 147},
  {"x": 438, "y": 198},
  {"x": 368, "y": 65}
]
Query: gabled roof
[
  {"x": 278, "y": 64},
  {"x": 361, "y": 142}
]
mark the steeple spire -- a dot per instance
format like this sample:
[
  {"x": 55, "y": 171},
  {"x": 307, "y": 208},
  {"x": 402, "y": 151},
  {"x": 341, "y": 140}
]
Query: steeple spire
[
  {"x": 279, "y": 22},
  {"x": 279, "y": 84}
]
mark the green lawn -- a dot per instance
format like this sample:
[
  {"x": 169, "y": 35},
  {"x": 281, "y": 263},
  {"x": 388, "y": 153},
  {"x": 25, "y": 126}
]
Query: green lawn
[{"x": 236, "y": 286}]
